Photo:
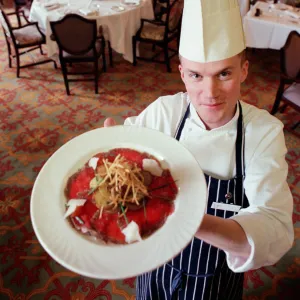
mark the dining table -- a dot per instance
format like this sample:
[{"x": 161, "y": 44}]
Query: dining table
[
  {"x": 119, "y": 19},
  {"x": 267, "y": 26}
]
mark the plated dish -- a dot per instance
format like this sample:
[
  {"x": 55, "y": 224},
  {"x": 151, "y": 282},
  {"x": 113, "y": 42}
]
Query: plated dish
[
  {"x": 112, "y": 257},
  {"x": 120, "y": 196}
]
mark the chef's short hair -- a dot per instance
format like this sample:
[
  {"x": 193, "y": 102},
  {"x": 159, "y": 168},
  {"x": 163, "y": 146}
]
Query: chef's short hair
[{"x": 243, "y": 56}]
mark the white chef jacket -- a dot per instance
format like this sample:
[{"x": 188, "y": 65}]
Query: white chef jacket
[{"x": 267, "y": 222}]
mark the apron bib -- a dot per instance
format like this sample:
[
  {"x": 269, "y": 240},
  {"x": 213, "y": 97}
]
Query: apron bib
[{"x": 200, "y": 271}]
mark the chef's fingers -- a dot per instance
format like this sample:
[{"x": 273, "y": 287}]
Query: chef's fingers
[{"x": 109, "y": 122}]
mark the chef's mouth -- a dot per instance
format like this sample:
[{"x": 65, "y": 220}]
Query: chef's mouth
[{"x": 212, "y": 104}]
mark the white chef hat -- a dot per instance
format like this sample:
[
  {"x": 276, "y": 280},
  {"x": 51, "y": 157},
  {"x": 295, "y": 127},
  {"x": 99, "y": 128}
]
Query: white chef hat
[{"x": 211, "y": 30}]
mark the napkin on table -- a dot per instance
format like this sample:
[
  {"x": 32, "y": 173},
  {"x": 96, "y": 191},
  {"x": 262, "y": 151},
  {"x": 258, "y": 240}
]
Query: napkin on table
[
  {"x": 293, "y": 14},
  {"x": 281, "y": 6},
  {"x": 136, "y": 2},
  {"x": 51, "y": 6},
  {"x": 88, "y": 12}
]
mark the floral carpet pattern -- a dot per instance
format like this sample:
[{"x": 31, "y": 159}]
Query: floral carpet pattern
[{"x": 37, "y": 118}]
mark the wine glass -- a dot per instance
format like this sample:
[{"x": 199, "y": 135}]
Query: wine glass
[{"x": 270, "y": 2}]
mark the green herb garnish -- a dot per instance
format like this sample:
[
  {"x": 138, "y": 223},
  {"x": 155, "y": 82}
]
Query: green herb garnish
[
  {"x": 98, "y": 181},
  {"x": 124, "y": 214}
]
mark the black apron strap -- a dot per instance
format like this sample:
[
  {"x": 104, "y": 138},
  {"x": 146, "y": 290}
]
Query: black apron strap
[
  {"x": 182, "y": 122},
  {"x": 239, "y": 154}
]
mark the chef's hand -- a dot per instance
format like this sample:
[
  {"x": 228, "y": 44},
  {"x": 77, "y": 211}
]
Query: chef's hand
[{"x": 109, "y": 122}]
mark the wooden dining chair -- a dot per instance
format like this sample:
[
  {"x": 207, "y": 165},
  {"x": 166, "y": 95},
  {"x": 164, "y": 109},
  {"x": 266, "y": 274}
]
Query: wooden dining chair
[
  {"x": 160, "y": 33},
  {"x": 21, "y": 10},
  {"x": 78, "y": 42},
  {"x": 22, "y": 40},
  {"x": 160, "y": 8},
  {"x": 289, "y": 75}
]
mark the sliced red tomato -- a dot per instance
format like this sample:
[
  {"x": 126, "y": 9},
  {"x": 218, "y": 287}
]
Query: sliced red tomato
[
  {"x": 79, "y": 184},
  {"x": 104, "y": 155},
  {"x": 152, "y": 216},
  {"x": 85, "y": 213},
  {"x": 130, "y": 155},
  {"x": 108, "y": 227},
  {"x": 163, "y": 187}
]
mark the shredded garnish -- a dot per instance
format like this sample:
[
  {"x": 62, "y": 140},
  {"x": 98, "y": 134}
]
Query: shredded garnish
[
  {"x": 101, "y": 211},
  {"x": 124, "y": 182}
]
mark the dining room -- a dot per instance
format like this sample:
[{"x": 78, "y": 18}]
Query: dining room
[{"x": 85, "y": 61}]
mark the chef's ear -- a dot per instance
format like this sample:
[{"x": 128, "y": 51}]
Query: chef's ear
[
  {"x": 180, "y": 69},
  {"x": 244, "y": 73}
]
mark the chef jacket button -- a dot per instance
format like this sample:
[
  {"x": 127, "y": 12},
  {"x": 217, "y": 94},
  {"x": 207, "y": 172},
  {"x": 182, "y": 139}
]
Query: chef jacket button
[{"x": 228, "y": 196}]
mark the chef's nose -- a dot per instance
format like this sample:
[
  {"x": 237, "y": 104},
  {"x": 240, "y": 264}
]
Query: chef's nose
[{"x": 210, "y": 88}]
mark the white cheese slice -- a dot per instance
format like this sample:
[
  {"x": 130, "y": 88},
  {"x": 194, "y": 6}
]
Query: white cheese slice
[
  {"x": 93, "y": 162},
  {"x": 152, "y": 166},
  {"x": 132, "y": 232},
  {"x": 72, "y": 204}
]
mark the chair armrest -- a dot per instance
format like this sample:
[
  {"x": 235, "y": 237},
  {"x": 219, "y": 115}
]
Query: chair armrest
[
  {"x": 155, "y": 22},
  {"x": 32, "y": 24},
  {"x": 24, "y": 16},
  {"x": 21, "y": 14},
  {"x": 143, "y": 21}
]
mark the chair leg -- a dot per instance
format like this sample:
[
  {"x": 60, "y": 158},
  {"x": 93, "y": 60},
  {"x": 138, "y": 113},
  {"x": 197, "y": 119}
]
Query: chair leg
[
  {"x": 18, "y": 18},
  {"x": 9, "y": 55},
  {"x": 110, "y": 54},
  {"x": 134, "y": 50},
  {"x": 65, "y": 76},
  {"x": 41, "y": 50},
  {"x": 9, "y": 61},
  {"x": 278, "y": 98},
  {"x": 55, "y": 64},
  {"x": 103, "y": 61},
  {"x": 96, "y": 74},
  {"x": 167, "y": 59},
  {"x": 18, "y": 63},
  {"x": 282, "y": 109}
]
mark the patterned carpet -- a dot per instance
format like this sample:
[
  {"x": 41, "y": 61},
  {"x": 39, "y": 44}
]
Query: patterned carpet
[{"x": 37, "y": 117}]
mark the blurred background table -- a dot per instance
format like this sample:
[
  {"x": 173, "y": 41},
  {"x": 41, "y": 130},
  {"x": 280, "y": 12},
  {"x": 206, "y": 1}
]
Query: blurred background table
[
  {"x": 119, "y": 20},
  {"x": 271, "y": 28}
]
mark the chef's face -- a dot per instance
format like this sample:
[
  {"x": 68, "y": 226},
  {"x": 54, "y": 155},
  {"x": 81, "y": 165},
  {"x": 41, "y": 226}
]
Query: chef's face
[{"x": 214, "y": 87}]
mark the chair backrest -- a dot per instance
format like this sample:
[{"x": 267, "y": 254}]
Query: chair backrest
[
  {"x": 7, "y": 28},
  {"x": 174, "y": 14},
  {"x": 75, "y": 34},
  {"x": 290, "y": 56}
]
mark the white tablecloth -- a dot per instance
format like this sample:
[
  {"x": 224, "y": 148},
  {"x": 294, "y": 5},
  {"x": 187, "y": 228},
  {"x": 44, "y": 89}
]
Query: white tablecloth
[
  {"x": 271, "y": 29},
  {"x": 119, "y": 27}
]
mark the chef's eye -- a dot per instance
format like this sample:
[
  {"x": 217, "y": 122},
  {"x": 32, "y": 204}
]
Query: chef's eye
[
  {"x": 195, "y": 76},
  {"x": 224, "y": 75}
]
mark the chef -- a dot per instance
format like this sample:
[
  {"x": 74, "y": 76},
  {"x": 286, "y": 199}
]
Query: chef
[{"x": 241, "y": 150}]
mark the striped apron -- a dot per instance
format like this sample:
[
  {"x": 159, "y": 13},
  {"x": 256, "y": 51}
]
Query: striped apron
[{"x": 200, "y": 271}]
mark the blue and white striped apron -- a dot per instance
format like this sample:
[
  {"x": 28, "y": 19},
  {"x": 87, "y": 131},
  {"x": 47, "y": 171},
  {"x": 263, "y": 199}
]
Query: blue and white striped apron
[{"x": 200, "y": 271}]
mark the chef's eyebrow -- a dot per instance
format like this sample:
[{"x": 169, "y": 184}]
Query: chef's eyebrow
[{"x": 217, "y": 73}]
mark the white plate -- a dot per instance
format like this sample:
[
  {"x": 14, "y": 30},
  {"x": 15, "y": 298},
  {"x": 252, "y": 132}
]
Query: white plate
[{"x": 96, "y": 259}]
